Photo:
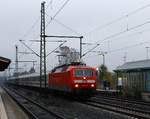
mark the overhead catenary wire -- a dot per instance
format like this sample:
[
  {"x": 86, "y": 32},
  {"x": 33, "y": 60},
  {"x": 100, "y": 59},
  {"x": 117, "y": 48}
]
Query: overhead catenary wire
[
  {"x": 124, "y": 31},
  {"x": 133, "y": 34},
  {"x": 31, "y": 28},
  {"x": 118, "y": 19},
  {"x": 74, "y": 31},
  {"x": 28, "y": 32},
  {"x": 50, "y": 2},
  {"x": 57, "y": 13},
  {"x": 56, "y": 48},
  {"x": 53, "y": 17},
  {"x": 121, "y": 49},
  {"x": 29, "y": 48},
  {"x": 67, "y": 27},
  {"x": 112, "y": 36},
  {"x": 127, "y": 30},
  {"x": 64, "y": 25},
  {"x": 36, "y": 22},
  {"x": 128, "y": 47}
]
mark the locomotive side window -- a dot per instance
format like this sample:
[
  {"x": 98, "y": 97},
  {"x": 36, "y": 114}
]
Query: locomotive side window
[
  {"x": 64, "y": 68},
  {"x": 79, "y": 73},
  {"x": 58, "y": 70},
  {"x": 53, "y": 70}
]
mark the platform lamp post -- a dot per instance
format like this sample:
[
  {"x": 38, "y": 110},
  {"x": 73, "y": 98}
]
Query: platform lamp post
[
  {"x": 103, "y": 54},
  {"x": 16, "y": 61},
  {"x": 147, "y": 49}
]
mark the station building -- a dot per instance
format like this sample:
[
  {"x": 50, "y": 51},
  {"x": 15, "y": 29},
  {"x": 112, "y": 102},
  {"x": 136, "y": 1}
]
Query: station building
[{"x": 135, "y": 78}]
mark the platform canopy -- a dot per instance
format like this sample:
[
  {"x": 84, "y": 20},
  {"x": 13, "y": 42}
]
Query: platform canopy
[
  {"x": 135, "y": 65},
  {"x": 4, "y": 63}
]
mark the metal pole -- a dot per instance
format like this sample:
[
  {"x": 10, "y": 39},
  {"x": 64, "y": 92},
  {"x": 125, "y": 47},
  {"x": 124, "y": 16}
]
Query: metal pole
[
  {"x": 80, "y": 47},
  {"x": 117, "y": 81},
  {"x": 33, "y": 64},
  {"x": 9, "y": 71},
  {"x": 103, "y": 59},
  {"x": 125, "y": 57},
  {"x": 147, "y": 52},
  {"x": 44, "y": 43},
  {"x": 41, "y": 52},
  {"x": 16, "y": 67},
  {"x": 42, "y": 47}
]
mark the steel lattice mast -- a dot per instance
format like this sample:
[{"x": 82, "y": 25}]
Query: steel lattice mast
[{"x": 42, "y": 47}]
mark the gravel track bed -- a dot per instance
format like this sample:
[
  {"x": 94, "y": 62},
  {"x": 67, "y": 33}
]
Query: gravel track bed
[
  {"x": 128, "y": 103},
  {"x": 37, "y": 111},
  {"x": 145, "y": 108},
  {"x": 71, "y": 109}
]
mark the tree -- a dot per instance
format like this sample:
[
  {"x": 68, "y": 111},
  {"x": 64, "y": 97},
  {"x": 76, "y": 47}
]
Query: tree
[
  {"x": 104, "y": 75},
  {"x": 32, "y": 70}
]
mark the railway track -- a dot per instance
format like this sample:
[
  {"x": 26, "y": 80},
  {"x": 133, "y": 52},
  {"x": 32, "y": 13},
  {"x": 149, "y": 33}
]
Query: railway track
[
  {"x": 38, "y": 113},
  {"x": 131, "y": 104},
  {"x": 132, "y": 112},
  {"x": 140, "y": 102},
  {"x": 33, "y": 109}
]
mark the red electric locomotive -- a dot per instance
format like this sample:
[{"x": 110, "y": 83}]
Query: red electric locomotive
[{"x": 74, "y": 78}]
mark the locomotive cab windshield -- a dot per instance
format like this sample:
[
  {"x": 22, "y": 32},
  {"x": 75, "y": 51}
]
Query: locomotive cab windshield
[{"x": 83, "y": 72}]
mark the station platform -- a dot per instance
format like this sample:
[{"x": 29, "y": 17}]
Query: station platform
[
  {"x": 9, "y": 109},
  {"x": 3, "y": 114},
  {"x": 102, "y": 90},
  {"x": 108, "y": 92}
]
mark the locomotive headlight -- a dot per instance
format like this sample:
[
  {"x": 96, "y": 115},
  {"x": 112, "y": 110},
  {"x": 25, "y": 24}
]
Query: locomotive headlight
[
  {"x": 76, "y": 85},
  {"x": 92, "y": 85}
]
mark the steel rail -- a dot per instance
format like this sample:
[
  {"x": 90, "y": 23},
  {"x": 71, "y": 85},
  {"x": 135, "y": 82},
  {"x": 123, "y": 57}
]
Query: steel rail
[
  {"x": 118, "y": 110},
  {"x": 124, "y": 100},
  {"x": 110, "y": 103},
  {"x": 28, "y": 112}
]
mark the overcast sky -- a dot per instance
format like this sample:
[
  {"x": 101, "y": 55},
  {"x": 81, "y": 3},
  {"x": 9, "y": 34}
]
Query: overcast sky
[{"x": 86, "y": 18}]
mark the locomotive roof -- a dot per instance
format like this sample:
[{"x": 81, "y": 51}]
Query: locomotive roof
[{"x": 72, "y": 64}]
